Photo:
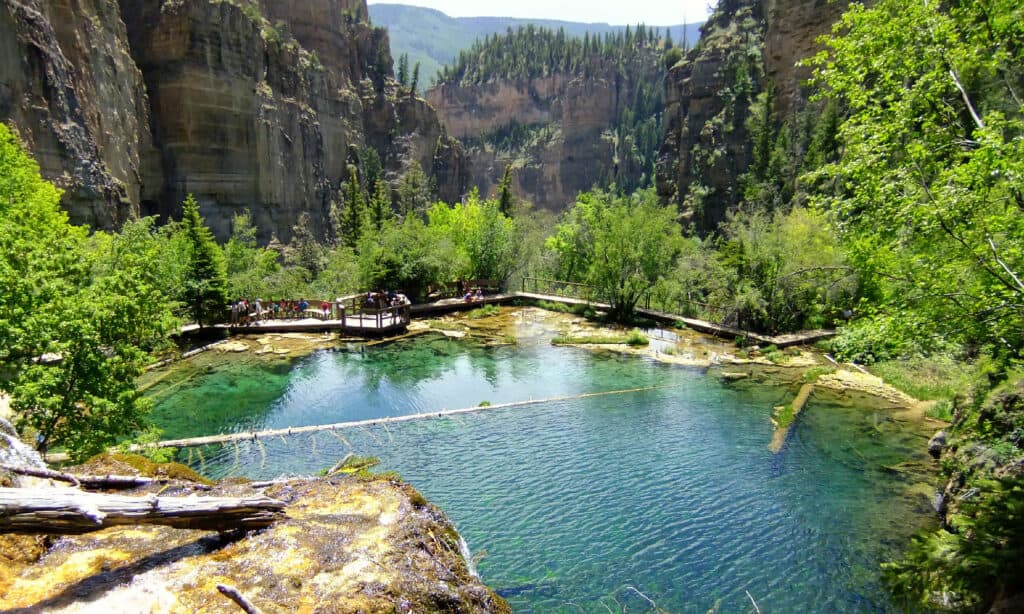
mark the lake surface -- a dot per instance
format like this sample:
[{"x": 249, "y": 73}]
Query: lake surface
[{"x": 585, "y": 504}]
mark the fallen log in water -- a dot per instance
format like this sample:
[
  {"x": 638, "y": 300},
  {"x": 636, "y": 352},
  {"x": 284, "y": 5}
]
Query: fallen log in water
[{"x": 68, "y": 511}]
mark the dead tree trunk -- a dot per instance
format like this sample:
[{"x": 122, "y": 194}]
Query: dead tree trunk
[{"x": 55, "y": 510}]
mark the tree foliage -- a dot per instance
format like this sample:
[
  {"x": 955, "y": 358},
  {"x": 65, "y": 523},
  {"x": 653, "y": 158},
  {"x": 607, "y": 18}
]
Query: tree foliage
[
  {"x": 486, "y": 237},
  {"x": 76, "y": 316},
  {"x": 204, "y": 287},
  {"x": 623, "y": 245},
  {"x": 930, "y": 185}
]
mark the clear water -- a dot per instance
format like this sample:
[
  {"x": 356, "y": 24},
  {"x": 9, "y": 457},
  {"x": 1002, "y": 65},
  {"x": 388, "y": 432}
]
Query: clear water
[{"x": 584, "y": 504}]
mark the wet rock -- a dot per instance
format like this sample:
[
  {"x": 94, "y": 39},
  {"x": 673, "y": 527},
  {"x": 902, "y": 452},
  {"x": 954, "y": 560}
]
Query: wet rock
[
  {"x": 352, "y": 543},
  {"x": 937, "y": 444}
]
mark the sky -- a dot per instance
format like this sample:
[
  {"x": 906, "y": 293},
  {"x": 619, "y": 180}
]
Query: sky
[{"x": 618, "y": 12}]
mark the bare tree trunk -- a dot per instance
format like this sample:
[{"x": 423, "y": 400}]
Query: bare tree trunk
[{"x": 54, "y": 510}]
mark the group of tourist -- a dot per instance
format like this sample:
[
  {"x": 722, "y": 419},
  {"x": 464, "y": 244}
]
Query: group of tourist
[
  {"x": 245, "y": 312},
  {"x": 384, "y": 298}
]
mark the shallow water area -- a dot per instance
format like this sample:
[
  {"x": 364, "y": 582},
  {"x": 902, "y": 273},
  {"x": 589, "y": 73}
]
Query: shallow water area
[{"x": 584, "y": 504}]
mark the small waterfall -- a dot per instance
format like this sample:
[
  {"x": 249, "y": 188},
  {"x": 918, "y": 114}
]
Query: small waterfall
[
  {"x": 468, "y": 556},
  {"x": 14, "y": 452}
]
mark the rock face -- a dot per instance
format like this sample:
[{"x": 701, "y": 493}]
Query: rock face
[
  {"x": 746, "y": 47},
  {"x": 791, "y": 31},
  {"x": 70, "y": 89},
  {"x": 707, "y": 100},
  {"x": 354, "y": 543},
  {"x": 558, "y": 131},
  {"x": 243, "y": 105}
]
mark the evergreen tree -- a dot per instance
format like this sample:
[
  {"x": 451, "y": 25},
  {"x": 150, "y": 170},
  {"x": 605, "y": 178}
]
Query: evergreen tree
[
  {"x": 205, "y": 283},
  {"x": 380, "y": 205},
  {"x": 403, "y": 70},
  {"x": 505, "y": 192},
  {"x": 306, "y": 251},
  {"x": 415, "y": 79},
  {"x": 352, "y": 219}
]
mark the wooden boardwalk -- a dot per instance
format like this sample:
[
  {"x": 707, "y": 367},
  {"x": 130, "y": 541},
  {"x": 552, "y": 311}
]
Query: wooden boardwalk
[
  {"x": 395, "y": 320},
  {"x": 361, "y": 325},
  {"x": 701, "y": 326}
]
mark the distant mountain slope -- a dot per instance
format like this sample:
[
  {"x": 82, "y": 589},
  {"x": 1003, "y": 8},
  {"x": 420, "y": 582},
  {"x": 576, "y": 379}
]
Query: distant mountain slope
[{"x": 434, "y": 39}]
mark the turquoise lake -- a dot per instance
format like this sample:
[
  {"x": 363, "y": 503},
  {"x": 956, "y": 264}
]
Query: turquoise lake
[{"x": 584, "y": 504}]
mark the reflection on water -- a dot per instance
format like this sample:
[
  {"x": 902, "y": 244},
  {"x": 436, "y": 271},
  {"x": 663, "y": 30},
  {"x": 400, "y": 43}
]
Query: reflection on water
[{"x": 671, "y": 491}]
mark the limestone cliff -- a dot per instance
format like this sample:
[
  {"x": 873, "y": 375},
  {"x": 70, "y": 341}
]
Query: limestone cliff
[
  {"x": 707, "y": 100},
  {"x": 562, "y": 132},
  {"x": 746, "y": 47},
  {"x": 243, "y": 104},
  {"x": 72, "y": 92}
]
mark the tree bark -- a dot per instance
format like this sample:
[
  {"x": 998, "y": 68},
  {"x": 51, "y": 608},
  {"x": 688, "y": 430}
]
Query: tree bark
[{"x": 69, "y": 511}]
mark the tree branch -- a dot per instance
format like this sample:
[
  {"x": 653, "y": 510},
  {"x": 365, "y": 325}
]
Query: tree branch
[
  {"x": 232, "y": 593},
  {"x": 995, "y": 254},
  {"x": 967, "y": 99}
]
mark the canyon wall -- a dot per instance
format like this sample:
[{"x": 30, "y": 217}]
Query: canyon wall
[
  {"x": 561, "y": 132},
  {"x": 746, "y": 48},
  {"x": 255, "y": 106}
]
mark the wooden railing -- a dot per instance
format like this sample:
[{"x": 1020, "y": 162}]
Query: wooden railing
[{"x": 680, "y": 306}]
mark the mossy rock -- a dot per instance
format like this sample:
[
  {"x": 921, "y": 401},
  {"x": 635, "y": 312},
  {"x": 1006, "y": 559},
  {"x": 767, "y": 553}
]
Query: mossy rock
[{"x": 107, "y": 463}]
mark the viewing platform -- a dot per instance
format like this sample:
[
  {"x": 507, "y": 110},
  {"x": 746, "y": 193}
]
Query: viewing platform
[{"x": 348, "y": 315}]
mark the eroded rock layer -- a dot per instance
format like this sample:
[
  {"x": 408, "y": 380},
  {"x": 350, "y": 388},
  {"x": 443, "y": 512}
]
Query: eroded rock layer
[{"x": 131, "y": 106}]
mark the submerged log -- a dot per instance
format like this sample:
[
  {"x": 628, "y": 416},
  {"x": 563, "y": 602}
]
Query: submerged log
[{"x": 68, "y": 511}]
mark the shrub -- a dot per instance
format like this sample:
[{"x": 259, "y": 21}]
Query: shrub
[{"x": 636, "y": 338}]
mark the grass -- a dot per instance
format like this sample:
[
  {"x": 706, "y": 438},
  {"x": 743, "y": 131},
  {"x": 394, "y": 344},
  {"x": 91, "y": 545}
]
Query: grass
[
  {"x": 585, "y": 311},
  {"x": 634, "y": 338},
  {"x": 784, "y": 415},
  {"x": 589, "y": 340},
  {"x": 928, "y": 379},
  {"x": 483, "y": 312},
  {"x": 444, "y": 325},
  {"x": 941, "y": 410},
  {"x": 811, "y": 375}
]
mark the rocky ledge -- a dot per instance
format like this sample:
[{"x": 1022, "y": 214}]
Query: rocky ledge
[{"x": 349, "y": 543}]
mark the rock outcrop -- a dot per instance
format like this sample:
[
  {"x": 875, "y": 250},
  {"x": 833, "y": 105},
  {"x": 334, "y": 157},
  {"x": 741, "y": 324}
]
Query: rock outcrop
[
  {"x": 243, "y": 104},
  {"x": 707, "y": 101},
  {"x": 355, "y": 543},
  {"x": 71, "y": 90},
  {"x": 746, "y": 47},
  {"x": 791, "y": 34},
  {"x": 559, "y": 132}
]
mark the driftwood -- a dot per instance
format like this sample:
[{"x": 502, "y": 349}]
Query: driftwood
[
  {"x": 232, "y": 593},
  {"x": 68, "y": 511},
  {"x": 87, "y": 481}
]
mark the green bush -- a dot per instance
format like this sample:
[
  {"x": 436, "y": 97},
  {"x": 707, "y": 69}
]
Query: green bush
[
  {"x": 483, "y": 312},
  {"x": 636, "y": 338}
]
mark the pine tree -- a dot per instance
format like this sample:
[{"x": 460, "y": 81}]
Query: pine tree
[
  {"x": 380, "y": 204},
  {"x": 403, "y": 69},
  {"x": 352, "y": 220},
  {"x": 415, "y": 79},
  {"x": 205, "y": 283},
  {"x": 505, "y": 192}
]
